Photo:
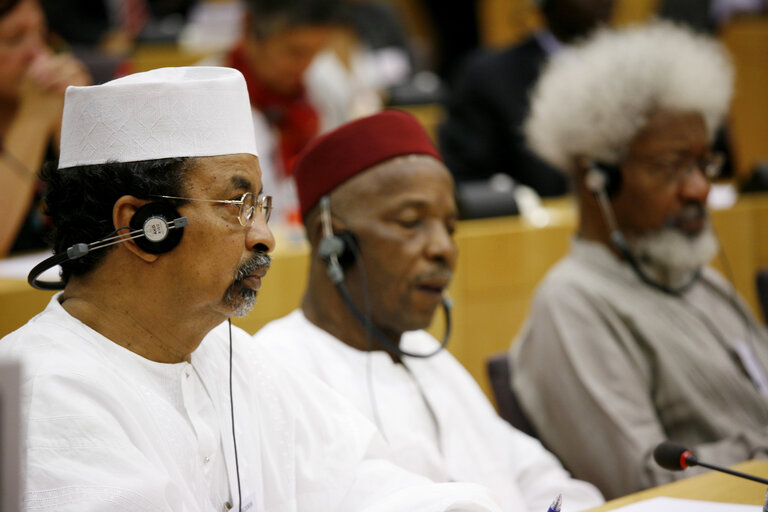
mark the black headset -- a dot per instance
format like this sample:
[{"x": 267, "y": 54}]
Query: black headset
[
  {"x": 604, "y": 181},
  {"x": 155, "y": 227},
  {"x": 339, "y": 251},
  {"x": 603, "y": 176}
]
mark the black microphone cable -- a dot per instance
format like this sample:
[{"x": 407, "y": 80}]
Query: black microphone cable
[
  {"x": 675, "y": 457},
  {"x": 329, "y": 250},
  {"x": 368, "y": 324},
  {"x": 369, "y": 344},
  {"x": 619, "y": 241},
  {"x": 232, "y": 415},
  {"x": 379, "y": 336}
]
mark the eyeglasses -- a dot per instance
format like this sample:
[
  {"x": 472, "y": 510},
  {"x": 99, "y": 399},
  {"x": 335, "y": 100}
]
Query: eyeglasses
[
  {"x": 675, "y": 171},
  {"x": 247, "y": 204}
]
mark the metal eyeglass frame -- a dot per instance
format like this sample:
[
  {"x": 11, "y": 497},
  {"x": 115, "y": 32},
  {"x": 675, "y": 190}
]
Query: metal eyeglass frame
[{"x": 245, "y": 214}]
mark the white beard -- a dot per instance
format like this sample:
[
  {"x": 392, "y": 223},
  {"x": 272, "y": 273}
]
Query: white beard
[{"x": 672, "y": 257}]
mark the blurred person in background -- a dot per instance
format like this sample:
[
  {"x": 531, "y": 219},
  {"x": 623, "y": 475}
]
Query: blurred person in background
[
  {"x": 32, "y": 85},
  {"x": 114, "y": 26},
  {"x": 279, "y": 42},
  {"x": 369, "y": 55},
  {"x": 482, "y": 134},
  {"x": 456, "y": 34},
  {"x": 709, "y": 15}
]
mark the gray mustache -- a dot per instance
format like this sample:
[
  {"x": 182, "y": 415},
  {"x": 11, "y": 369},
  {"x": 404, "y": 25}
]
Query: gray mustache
[
  {"x": 690, "y": 211},
  {"x": 260, "y": 261}
]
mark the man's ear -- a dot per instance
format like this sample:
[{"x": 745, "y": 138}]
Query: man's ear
[{"x": 122, "y": 213}]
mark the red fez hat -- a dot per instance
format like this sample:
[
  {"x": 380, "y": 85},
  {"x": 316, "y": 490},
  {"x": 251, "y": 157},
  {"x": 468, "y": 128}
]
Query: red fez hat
[{"x": 331, "y": 159}]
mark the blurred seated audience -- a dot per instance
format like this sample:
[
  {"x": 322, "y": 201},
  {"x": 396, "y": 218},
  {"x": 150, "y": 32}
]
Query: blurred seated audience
[
  {"x": 632, "y": 338},
  {"x": 279, "y": 41},
  {"x": 456, "y": 34},
  {"x": 709, "y": 15},
  {"x": 32, "y": 84},
  {"x": 482, "y": 134},
  {"x": 369, "y": 54},
  {"x": 114, "y": 26}
]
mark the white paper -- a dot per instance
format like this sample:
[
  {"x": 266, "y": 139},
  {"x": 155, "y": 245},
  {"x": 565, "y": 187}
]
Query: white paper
[
  {"x": 722, "y": 196},
  {"x": 680, "y": 505},
  {"x": 17, "y": 267}
]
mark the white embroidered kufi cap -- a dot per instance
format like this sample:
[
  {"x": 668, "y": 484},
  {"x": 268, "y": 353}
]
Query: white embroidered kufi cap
[{"x": 163, "y": 113}]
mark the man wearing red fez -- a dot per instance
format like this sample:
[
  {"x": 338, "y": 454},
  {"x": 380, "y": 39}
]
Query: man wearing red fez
[{"x": 378, "y": 206}]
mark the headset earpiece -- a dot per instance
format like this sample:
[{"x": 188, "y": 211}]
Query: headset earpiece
[
  {"x": 602, "y": 177},
  {"x": 155, "y": 227},
  {"x": 343, "y": 245},
  {"x": 340, "y": 250},
  {"x": 154, "y": 220}
]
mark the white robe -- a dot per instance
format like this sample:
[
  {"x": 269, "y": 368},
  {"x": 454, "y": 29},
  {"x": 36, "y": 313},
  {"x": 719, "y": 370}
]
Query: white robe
[
  {"x": 468, "y": 442},
  {"x": 109, "y": 430}
]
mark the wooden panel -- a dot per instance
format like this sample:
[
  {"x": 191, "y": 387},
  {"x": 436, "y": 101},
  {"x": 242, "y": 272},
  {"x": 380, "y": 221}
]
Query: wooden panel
[
  {"x": 633, "y": 11},
  {"x": 430, "y": 115},
  {"x": 153, "y": 56},
  {"x": 738, "y": 259},
  {"x": 747, "y": 40},
  {"x": 505, "y": 22},
  {"x": 18, "y": 303}
]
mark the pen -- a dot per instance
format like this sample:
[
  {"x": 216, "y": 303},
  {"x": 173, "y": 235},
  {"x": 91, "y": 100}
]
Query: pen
[{"x": 555, "y": 506}]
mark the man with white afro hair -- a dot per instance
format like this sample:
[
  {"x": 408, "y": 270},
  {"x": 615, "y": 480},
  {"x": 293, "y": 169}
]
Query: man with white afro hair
[{"x": 632, "y": 339}]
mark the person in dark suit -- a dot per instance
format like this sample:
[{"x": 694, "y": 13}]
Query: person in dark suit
[{"x": 482, "y": 134}]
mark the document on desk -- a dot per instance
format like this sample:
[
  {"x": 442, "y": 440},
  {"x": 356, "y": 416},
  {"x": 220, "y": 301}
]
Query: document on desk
[
  {"x": 662, "y": 504},
  {"x": 17, "y": 267}
]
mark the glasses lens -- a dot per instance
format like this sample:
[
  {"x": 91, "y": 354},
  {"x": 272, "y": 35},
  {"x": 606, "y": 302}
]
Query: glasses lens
[
  {"x": 246, "y": 209},
  {"x": 265, "y": 207}
]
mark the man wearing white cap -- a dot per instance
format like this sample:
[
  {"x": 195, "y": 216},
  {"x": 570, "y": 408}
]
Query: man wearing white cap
[{"x": 137, "y": 395}]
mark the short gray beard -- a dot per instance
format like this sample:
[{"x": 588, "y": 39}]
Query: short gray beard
[
  {"x": 239, "y": 298},
  {"x": 673, "y": 257}
]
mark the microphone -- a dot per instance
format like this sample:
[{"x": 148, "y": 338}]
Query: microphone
[
  {"x": 596, "y": 183},
  {"x": 675, "y": 457},
  {"x": 331, "y": 247}
]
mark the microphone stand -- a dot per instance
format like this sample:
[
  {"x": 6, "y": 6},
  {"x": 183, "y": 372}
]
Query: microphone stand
[
  {"x": 675, "y": 457},
  {"x": 691, "y": 460}
]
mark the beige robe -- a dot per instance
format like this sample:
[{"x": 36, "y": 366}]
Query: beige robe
[{"x": 607, "y": 367}]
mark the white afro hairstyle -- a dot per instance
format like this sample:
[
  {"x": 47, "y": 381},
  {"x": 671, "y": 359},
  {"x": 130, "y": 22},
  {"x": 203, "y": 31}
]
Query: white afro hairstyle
[{"x": 593, "y": 98}]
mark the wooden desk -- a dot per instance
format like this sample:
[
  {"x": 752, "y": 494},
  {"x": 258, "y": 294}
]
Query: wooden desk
[
  {"x": 500, "y": 264},
  {"x": 710, "y": 486}
]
